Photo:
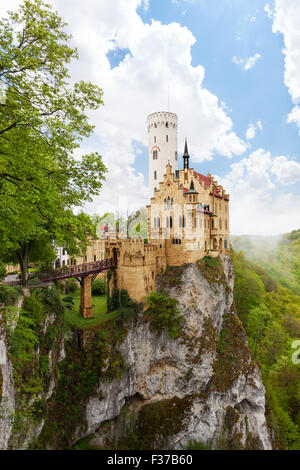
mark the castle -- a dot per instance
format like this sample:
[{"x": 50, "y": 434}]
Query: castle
[{"x": 188, "y": 217}]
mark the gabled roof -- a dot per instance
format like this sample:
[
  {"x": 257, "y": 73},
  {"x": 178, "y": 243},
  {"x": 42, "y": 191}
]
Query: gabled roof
[{"x": 206, "y": 179}]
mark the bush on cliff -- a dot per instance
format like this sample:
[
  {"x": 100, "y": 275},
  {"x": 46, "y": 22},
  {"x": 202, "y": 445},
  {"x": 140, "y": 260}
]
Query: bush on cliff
[{"x": 164, "y": 313}]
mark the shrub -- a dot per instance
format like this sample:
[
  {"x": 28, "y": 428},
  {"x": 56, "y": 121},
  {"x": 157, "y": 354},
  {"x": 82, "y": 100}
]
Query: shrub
[
  {"x": 34, "y": 280},
  {"x": 71, "y": 286},
  {"x": 164, "y": 313},
  {"x": 8, "y": 295},
  {"x": 99, "y": 287},
  {"x": 68, "y": 299}
]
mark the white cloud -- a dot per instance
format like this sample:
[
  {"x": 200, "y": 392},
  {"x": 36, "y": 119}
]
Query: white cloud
[
  {"x": 286, "y": 171},
  {"x": 251, "y": 61},
  {"x": 286, "y": 21},
  {"x": 247, "y": 64},
  {"x": 252, "y": 19},
  {"x": 160, "y": 56},
  {"x": 294, "y": 117},
  {"x": 255, "y": 206},
  {"x": 269, "y": 11},
  {"x": 251, "y": 131}
]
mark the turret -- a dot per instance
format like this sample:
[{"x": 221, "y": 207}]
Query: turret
[{"x": 162, "y": 136}]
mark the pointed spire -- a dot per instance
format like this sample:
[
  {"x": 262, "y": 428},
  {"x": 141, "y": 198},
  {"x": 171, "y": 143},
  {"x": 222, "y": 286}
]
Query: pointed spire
[
  {"x": 186, "y": 156},
  {"x": 186, "y": 152}
]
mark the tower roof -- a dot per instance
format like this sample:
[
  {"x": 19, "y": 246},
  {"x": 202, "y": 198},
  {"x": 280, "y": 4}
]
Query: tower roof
[
  {"x": 186, "y": 152},
  {"x": 192, "y": 189}
]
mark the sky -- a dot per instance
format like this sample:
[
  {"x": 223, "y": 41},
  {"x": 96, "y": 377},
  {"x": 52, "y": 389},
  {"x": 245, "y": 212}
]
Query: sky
[{"x": 231, "y": 69}]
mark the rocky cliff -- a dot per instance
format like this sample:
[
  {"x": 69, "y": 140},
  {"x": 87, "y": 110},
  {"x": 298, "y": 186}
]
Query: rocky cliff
[{"x": 136, "y": 386}]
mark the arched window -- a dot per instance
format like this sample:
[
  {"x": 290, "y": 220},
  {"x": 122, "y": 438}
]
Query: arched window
[
  {"x": 167, "y": 138},
  {"x": 194, "y": 198},
  {"x": 167, "y": 222},
  {"x": 169, "y": 202},
  {"x": 155, "y": 155},
  {"x": 180, "y": 221},
  {"x": 155, "y": 139},
  {"x": 155, "y": 175},
  {"x": 167, "y": 124},
  {"x": 171, "y": 222}
]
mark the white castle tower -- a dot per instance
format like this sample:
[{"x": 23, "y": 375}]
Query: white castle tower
[{"x": 162, "y": 133}]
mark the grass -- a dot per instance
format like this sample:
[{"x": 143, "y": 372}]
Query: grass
[{"x": 74, "y": 317}]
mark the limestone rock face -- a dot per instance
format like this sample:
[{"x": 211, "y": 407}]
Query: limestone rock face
[
  {"x": 7, "y": 391},
  {"x": 222, "y": 408}
]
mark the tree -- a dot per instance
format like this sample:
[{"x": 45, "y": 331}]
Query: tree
[
  {"x": 42, "y": 122},
  {"x": 258, "y": 320}
]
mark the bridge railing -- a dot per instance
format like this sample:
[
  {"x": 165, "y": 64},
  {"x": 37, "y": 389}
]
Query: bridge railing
[{"x": 80, "y": 269}]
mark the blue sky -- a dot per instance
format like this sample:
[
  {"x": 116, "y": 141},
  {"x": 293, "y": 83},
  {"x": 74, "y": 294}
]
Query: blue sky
[
  {"x": 233, "y": 69},
  {"x": 227, "y": 28}
]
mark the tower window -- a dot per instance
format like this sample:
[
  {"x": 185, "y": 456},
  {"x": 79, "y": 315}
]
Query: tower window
[
  {"x": 176, "y": 156},
  {"x": 167, "y": 138},
  {"x": 167, "y": 124},
  {"x": 155, "y": 175},
  {"x": 155, "y": 139},
  {"x": 155, "y": 155}
]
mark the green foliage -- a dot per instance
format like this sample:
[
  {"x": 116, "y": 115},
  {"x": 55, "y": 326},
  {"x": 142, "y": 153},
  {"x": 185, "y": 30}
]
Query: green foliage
[
  {"x": 196, "y": 445},
  {"x": 71, "y": 286},
  {"x": 2, "y": 271},
  {"x": 212, "y": 270},
  {"x": 8, "y": 295},
  {"x": 42, "y": 122},
  {"x": 99, "y": 287},
  {"x": 271, "y": 314},
  {"x": 163, "y": 312}
]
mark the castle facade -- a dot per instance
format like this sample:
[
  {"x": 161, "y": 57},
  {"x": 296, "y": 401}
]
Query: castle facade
[{"x": 188, "y": 217}]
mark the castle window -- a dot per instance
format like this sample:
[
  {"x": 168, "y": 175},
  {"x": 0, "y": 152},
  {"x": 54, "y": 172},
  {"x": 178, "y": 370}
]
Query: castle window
[
  {"x": 158, "y": 222},
  {"x": 155, "y": 125},
  {"x": 167, "y": 222},
  {"x": 220, "y": 224},
  {"x": 176, "y": 156},
  {"x": 155, "y": 175},
  {"x": 155, "y": 139},
  {"x": 226, "y": 224},
  {"x": 165, "y": 203},
  {"x": 183, "y": 221},
  {"x": 155, "y": 155},
  {"x": 85, "y": 258},
  {"x": 172, "y": 203},
  {"x": 167, "y": 124},
  {"x": 180, "y": 221},
  {"x": 167, "y": 138},
  {"x": 95, "y": 258},
  {"x": 169, "y": 200},
  {"x": 194, "y": 198},
  {"x": 171, "y": 222},
  {"x": 225, "y": 244},
  {"x": 205, "y": 246}
]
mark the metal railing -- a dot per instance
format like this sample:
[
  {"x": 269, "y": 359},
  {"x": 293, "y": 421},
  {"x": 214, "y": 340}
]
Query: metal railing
[{"x": 80, "y": 269}]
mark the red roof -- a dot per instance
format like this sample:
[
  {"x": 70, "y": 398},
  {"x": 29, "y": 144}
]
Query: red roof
[
  {"x": 206, "y": 179},
  {"x": 217, "y": 192}
]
